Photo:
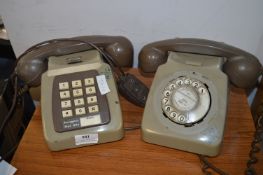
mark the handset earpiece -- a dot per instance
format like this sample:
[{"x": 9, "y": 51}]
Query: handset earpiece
[
  {"x": 242, "y": 72},
  {"x": 122, "y": 51},
  {"x": 242, "y": 68},
  {"x": 151, "y": 58},
  {"x": 33, "y": 62}
]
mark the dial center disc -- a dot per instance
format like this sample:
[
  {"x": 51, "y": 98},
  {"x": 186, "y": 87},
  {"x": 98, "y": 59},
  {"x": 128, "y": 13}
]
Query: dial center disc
[{"x": 184, "y": 98}]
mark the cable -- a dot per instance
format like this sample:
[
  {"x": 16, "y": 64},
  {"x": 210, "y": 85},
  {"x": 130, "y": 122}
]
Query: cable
[
  {"x": 113, "y": 63},
  {"x": 17, "y": 93},
  {"x": 7, "y": 117},
  {"x": 207, "y": 165},
  {"x": 14, "y": 147},
  {"x": 132, "y": 128},
  {"x": 9, "y": 114},
  {"x": 254, "y": 147},
  {"x": 9, "y": 152},
  {"x": 107, "y": 58},
  {"x": 252, "y": 157}
]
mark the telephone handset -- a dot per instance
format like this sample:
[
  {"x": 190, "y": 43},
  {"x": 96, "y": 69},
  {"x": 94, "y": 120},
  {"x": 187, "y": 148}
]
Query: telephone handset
[
  {"x": 242, "y": 68},
  {"x": 187, "y": 103},
  {"x": 79, "y": 100},
  {"x": 34, "y": 61}
]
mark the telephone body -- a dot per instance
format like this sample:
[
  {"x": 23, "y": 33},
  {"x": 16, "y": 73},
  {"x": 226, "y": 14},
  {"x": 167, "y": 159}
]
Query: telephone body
[
  {"x": 187, "y": 103},
  {"x": 79, "y": 101},
  {"x": 72, "y": 105}
]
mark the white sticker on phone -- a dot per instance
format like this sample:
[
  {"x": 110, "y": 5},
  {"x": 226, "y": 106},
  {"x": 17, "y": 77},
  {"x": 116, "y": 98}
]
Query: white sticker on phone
[
  {"x": 86, "y": 139},
  {"x": 103, "y": 85}
]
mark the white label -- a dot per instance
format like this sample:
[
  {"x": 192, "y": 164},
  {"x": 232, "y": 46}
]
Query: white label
[
  {"x": 91, "y": 120},
  {"x": 103, "y": 85},
  {"x": 6, "y": 168},
  {"x": 86, "y": 139}
]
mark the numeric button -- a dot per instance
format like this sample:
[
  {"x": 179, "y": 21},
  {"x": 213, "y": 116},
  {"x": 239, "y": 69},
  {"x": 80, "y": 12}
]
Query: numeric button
[
  {"x": 90, "y": 90},
  {"x": 77, "y": 92},
  {"x": 76, "y": 83},
  {"x": 67, "y": 113},
  {"x": 93, "y": 109},
  {"x": 89, "y": 81},
  {"x": 66, "y": 104},
  {"x": 64, "y": 94},
  {"x": 92, "y": 99},
  {"x": 79, "y": 102},
  {"x": 80, "y": 111},
  {"x": 63, "y": 86}
]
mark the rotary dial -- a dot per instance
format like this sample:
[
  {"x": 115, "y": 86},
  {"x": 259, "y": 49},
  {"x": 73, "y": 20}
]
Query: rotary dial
[{"x": 185, "y": 100}]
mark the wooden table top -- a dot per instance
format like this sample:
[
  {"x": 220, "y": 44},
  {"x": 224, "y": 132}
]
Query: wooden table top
[{"x": 131, "y": 155}]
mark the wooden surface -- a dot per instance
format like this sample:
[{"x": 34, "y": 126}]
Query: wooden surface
[{"x": 133, "y": 156}]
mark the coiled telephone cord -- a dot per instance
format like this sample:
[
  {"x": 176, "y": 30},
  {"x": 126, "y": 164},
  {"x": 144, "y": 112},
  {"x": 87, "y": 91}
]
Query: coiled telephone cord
[
  {"x": 207, "y": 165},
  {"x": 255, "y": 148}
]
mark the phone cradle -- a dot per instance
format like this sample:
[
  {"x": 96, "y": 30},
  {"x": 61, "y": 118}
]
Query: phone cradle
[
  {"x": 75, "y": 112},
  {"x": 187, "y": 104}
]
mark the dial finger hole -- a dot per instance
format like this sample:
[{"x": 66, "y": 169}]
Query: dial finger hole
[
  {"x": 179, "y": 82},
  {"x": 167, "y": 93},
  {"x": 173, "y": 115},
  {"x": 168, "y": 109},
  {"x": 172, "y": 86},
  {"x": 165, "y": 101}
]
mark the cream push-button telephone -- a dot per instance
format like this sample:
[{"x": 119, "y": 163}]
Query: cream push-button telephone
[
  {"x": 79, "y": 101},
  {"x": 187, "y": 103}
]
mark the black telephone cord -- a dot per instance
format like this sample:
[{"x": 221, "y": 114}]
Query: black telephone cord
[
  {"x": 131, "y": 128},
  {"x": 9, "y": 114},
  {"x": 207, "y": 165},
  {"x": 14, "y": 147},
  {"x": 255, "y": 148}
]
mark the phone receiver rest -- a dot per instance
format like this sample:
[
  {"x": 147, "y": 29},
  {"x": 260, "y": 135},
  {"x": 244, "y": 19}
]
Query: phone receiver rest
[
  {"x": 34, "y": 61},
  {"x": 242, "y": 68}
]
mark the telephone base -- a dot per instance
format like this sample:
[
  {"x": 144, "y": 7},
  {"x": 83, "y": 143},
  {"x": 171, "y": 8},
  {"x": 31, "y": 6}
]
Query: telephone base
[
  {"x": 163, "y": 139},
  {"x": 71, "y": 140},
  {"x": 75, "y": 111},
  {"x": 204, "y": 135}
]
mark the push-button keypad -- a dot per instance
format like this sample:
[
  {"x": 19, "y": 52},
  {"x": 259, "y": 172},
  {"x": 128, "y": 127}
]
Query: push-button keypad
[{"x": 80, "y": 102}]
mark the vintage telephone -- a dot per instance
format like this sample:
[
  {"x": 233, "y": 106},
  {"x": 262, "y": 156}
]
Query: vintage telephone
[
  {"x": 187, "y": 103},
  {"x": 79, "y": 101}
]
